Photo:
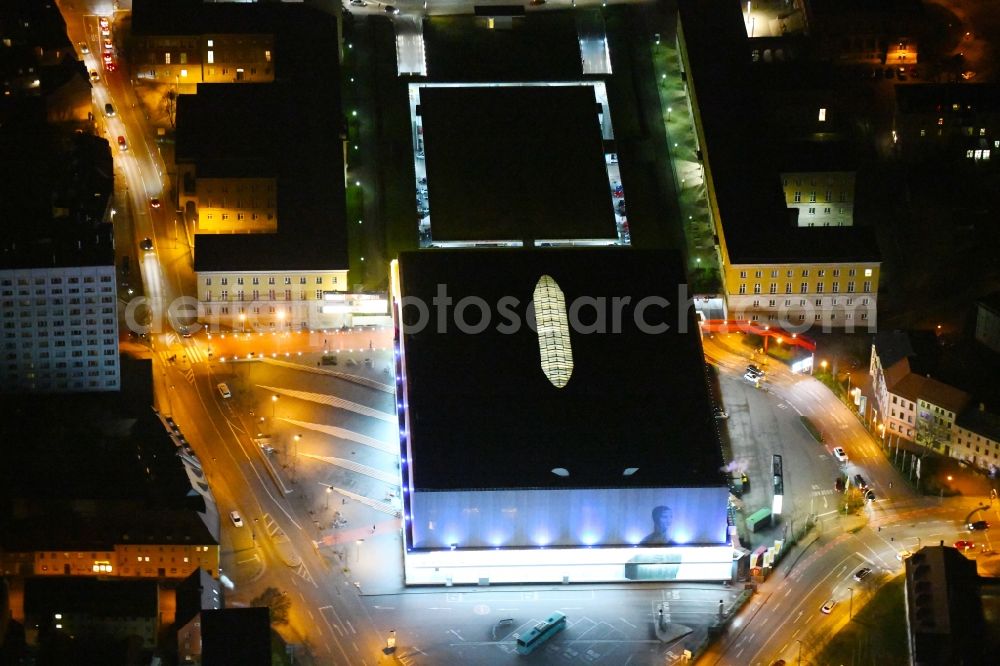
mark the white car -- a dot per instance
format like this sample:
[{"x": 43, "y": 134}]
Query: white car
[
  {"x": 828, "y": 606},
  {"x": 902, "y": 555},
  {"x": 235, "y": 517},
  {"x": 840, "y": 454},
  {"x": 224, "y": 390}
]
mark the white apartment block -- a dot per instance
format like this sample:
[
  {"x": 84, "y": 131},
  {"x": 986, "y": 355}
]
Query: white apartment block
[{"x": 59, "y": 329}]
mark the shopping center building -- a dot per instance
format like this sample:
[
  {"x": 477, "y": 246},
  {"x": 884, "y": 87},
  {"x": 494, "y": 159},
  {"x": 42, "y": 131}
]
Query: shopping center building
[{"x": 555, "y": 420}]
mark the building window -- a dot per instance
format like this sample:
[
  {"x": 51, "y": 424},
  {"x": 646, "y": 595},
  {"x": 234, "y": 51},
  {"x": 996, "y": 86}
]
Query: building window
[
  {"x": 867, "y": 287},
  {"x": 805, "y": 273},
  {"x": 773, "y": 289},
  {"x": 166, "y": 58},
  {"x": 804, "y": 288},
  {"x": 788, "y": 287},
  {"x": 756, "y": 288},
  {"x": 319, "y": 293},
  {"x": 868, "y": 272},
  {"x": 836, "y": 287},
  {"x": 319, "y": 280},
  {"x": 743, "y": 275},
  {"x": 797, "y": 197},
  {"x": 812, "y": 211},
  {"x": 812, "y": 197},
  {"x": 822, "y": 115},
  {"x": 743, "y": 288},
  {"x": 819, "y": 287},
  {"x": 208, "y": 282}
]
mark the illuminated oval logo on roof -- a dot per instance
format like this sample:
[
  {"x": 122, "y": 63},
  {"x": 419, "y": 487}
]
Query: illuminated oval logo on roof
[{"x": 552, "y": 326}]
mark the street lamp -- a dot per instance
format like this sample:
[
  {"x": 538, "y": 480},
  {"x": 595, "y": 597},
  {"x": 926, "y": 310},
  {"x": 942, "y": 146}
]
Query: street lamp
[
  {"x": 274, "y": 401},
  {"x": 850, "y": 610},
  {"x": 329, "y": 491},
  {"x": 243, "y": 320},
  {"x": 800, "y": 651}
]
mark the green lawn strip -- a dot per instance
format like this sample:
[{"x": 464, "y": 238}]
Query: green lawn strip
[{"x": 877, "y": 635}]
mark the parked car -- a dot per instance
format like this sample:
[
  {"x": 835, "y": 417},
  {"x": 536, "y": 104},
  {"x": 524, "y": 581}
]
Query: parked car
[
  {"x": 105, "y": 26},
  {"x": 358, "y": 3},
  {"x": 235, "y": 517},
  {"x": 862, "y": 573},
  {"x": 840, "y": 454},
  {"x": 839, "y": 485},
  {"x": 721, "y": 413},
  {"x": 859, "y": 481}
]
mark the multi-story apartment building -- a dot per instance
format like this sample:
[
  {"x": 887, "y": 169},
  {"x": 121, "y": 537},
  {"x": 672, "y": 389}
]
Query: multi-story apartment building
[
  {"x": 949, "y": 120},
  {"x": 857, "y": 31},
  {"x": 977, "y": 437},
  {"x": 988, "y": 321},
  {"x": 231, "y": 295},
  {"x": 228, "y": 159},
  {"x": 142, "y": 512},
  {"x": 832, "y": 294},
  {"x": 822, "y": 198},
  {"x": 774, "y": 269},
  {"x": 58, "y": 308},
  {"x": 189, "y": 42},
  {"x": 910, "y": 403},
  {"x": 262, "y": 183}
]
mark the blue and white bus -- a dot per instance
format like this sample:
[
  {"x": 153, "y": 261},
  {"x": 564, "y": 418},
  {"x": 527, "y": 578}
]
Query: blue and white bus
[{"x": 541, "y": 632}]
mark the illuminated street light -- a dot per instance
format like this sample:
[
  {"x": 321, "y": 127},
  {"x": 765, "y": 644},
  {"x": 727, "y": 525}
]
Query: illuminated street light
[
  {"x": 329, "y": 491},
  {"x": 274, "y": 401},
  {"x": 243, "y": 319}
]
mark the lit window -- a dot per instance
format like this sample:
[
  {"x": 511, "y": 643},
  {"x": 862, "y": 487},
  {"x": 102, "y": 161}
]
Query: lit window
[
  {"x": 822, "y": 115},
  {"x": 167, "y": 58},
  {"x": 184, "y": 72},
  {"x": 552, "y": 326},
  {"x": 868, "y": 272},
  {"x": 211, "y": 43},
  {"x": 267, "y": 55},
  {"x": 211, "y": 57}
]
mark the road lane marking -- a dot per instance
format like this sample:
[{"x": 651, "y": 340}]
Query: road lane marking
[{"x": 628, "y": 623}]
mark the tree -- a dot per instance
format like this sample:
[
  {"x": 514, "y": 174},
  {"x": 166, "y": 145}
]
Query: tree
[{"x": 276, "y": 601}]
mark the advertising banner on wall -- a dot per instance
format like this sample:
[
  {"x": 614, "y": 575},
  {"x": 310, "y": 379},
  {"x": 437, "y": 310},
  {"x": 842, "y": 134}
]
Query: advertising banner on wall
[{"x": 569, "y": 517}]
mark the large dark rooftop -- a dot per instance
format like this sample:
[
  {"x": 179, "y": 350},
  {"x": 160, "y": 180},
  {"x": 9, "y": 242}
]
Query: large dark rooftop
[
  {"x": 754, "y": 217},
  {"x": 541, "y": 46},
  {"x": 280, "y": 131},
  {"x": 514, "y": 163},
  {"x": 484, "y": 415}
]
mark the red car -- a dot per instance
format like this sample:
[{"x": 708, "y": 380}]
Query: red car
[
  {"x": 964, "y": 545},
  {"x": 121, "y": 143}
]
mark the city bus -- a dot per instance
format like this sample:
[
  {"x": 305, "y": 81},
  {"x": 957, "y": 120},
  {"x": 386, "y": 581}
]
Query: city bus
[{"x": 541, "y": 632}]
